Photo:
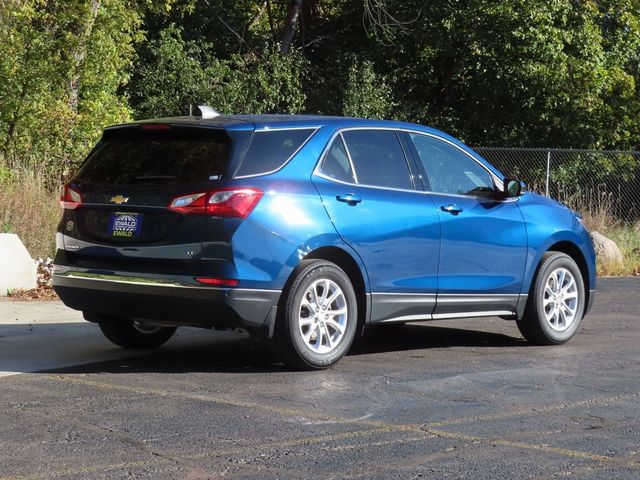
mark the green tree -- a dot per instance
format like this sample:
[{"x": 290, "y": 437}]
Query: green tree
[
  {"x": 61, "y": 67},
  {"x": 175, "y": 74},
  {"x": 366, "y": 93},
  {"x": 520, "y": 72}
]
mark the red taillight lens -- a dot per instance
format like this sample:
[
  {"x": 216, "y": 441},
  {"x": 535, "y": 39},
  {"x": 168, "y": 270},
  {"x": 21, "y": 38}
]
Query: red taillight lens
[
  {"x": 217, "y": 282},
  {"x": 70, "y": 198},
  {"x": 227, "y": 202}
]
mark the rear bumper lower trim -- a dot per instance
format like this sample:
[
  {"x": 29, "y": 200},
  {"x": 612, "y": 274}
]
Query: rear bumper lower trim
[{"x": 169, "y": 300}]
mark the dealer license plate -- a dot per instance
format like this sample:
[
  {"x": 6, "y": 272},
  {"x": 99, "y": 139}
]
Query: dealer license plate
[{"x": 125, "y": 225}]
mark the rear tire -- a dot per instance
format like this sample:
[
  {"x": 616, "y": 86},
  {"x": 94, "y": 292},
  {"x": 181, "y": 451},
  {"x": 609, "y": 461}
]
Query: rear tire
[
  {"x": 317, "y": 318},
  {"x": 556, "y": 301},
  {"x": 133, "y": 334}
]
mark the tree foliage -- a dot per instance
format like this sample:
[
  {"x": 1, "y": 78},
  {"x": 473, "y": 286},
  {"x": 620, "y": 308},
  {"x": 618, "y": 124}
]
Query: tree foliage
[
  {"x": 61, "y": 66},
  {"x": 366, "y": 93},
  {"x": 177, "y": 74},
  {"x": 560, "y": 73}
]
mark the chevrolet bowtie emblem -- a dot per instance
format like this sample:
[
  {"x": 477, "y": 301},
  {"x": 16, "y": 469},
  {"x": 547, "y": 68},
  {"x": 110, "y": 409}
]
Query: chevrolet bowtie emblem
[{"x": 119, "y": 199}]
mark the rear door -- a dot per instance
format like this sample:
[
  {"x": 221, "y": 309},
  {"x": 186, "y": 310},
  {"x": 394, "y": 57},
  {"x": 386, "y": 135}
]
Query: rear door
[
  {"x": 368, "y": 190},
  {"x": 484, "y": 239}
]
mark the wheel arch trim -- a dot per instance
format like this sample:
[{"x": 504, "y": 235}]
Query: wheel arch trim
[
  {"x": 349, "y": 261},
  {"x": 569, "y": 244}
]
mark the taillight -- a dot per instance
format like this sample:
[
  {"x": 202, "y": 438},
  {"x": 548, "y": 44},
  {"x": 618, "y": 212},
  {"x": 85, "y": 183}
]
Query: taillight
[
  {"x": 217, "y": 282},
  {"x": 226, "y": 202},
  {"x": 70, "y": 198}
]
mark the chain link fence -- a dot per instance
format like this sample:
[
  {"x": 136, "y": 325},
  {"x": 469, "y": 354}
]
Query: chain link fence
[{"x": 594, "y": 182}]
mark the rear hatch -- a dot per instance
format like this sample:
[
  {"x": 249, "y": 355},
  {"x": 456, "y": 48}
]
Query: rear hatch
[{"x": 140, "y": 201}]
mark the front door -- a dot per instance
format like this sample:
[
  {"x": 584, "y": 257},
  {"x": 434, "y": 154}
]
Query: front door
[{"x": 484, "y": 240}]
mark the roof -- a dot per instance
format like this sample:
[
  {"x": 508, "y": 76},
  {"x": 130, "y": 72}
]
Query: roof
[{"x": 270, "y": 120}]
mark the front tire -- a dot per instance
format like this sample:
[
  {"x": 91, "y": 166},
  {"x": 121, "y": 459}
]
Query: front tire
[
  {"x": 133, "y": 334},
  {"x": 319, "y": 316},
  {"x": 556, "y": 302}
]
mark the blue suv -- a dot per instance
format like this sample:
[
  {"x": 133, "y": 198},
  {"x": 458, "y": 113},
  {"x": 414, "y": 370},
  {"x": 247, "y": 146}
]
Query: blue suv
[{"x": 304, "y": 230}]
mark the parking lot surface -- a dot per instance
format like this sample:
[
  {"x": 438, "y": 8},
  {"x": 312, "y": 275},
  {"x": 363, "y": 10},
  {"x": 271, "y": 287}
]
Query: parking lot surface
[{"x": 456, "y": 399}]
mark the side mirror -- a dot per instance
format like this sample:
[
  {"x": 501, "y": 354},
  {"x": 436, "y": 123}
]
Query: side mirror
[{"x": 512, "y": 188}]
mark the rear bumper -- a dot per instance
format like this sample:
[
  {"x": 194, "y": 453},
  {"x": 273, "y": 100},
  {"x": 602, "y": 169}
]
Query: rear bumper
[{"x": 168, "y": 301}]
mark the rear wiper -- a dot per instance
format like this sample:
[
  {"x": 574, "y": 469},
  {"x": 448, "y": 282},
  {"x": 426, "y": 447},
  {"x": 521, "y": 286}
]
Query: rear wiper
[{"x": 154, "y": 177}]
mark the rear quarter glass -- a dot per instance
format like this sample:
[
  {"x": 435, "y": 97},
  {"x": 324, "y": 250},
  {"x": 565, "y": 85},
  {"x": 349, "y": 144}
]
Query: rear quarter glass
[
  {"x": 131, "y": 156},
  {"x": 271, "y": 149}
]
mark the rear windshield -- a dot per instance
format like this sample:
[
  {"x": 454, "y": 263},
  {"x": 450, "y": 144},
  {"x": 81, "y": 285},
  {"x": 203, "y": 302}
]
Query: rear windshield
[
  {"x": 270, "y": 150},
  {"x": 135, "y": 156}
]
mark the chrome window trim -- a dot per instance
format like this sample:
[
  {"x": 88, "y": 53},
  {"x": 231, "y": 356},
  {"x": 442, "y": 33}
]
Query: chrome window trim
[
  {"x": 278, "y": 129},
  {"x": 355, "y": 173},
  {"x": 318, "y": 172},
  {"x": 314, "y": 130},
  {"x": 495, "y": 178},
  {"x": 322, "y": 175}
]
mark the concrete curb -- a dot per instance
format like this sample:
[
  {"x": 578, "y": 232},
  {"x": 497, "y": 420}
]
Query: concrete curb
[{"x": 17, "y": 268}]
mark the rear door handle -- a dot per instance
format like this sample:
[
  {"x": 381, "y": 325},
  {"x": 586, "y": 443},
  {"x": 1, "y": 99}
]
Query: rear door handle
[
  {"x": 451, "y": 208},
  {"x": 349, "y": 199}
]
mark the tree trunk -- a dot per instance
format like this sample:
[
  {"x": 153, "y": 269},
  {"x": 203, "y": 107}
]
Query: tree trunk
[
  {"x": 290, "y": 25},
  {"x": 77, "y": 56}
]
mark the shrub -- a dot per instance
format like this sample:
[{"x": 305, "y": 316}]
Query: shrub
[{"x": 29, "y": 210}]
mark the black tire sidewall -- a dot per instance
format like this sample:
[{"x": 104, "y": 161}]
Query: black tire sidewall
[
  {"x": 558, "y": 260},
  {"x": 313, "y": 272},
  {"x": 122, "y": 332}
]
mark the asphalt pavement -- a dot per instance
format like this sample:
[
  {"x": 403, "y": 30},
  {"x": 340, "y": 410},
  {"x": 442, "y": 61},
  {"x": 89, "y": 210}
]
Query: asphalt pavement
[{"x": 443, "y": 400}]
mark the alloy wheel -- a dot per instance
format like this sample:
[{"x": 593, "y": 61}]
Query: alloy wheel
[
  {"x": 560, "y": 299},
  {"x": 323, "y": 316}
]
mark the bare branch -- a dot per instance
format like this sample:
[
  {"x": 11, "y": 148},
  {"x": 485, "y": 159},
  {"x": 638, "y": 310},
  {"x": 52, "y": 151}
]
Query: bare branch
[
  {"x": 377, "y": 18},
  {"x": 256, "y": 18},
  {"x": 235, "y": 34}
]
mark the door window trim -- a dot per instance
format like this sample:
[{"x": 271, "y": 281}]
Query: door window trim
[
  {"x": 497, "y": 182},
  {"x": 317, "y": 171}
]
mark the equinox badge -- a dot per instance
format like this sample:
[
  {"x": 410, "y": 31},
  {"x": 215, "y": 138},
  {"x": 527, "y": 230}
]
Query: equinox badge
[{"x": 119, "y": 199}]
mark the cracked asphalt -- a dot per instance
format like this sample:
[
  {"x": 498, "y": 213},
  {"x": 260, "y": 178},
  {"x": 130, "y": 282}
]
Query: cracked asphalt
[{"x": 445, "y": 400}]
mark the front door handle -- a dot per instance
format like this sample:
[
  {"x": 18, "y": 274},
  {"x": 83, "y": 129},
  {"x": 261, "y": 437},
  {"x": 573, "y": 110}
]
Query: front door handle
[
  {"x": 349, "y": 199},
  {"x": 451, "y": 208}
]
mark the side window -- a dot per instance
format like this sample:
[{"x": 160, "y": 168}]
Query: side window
[
  {"x": 269, "y": 150},
  {"x": 336, "y": 162},
  {"x": 378, "y": 158},
  {"x": 449, "y": 170}
]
